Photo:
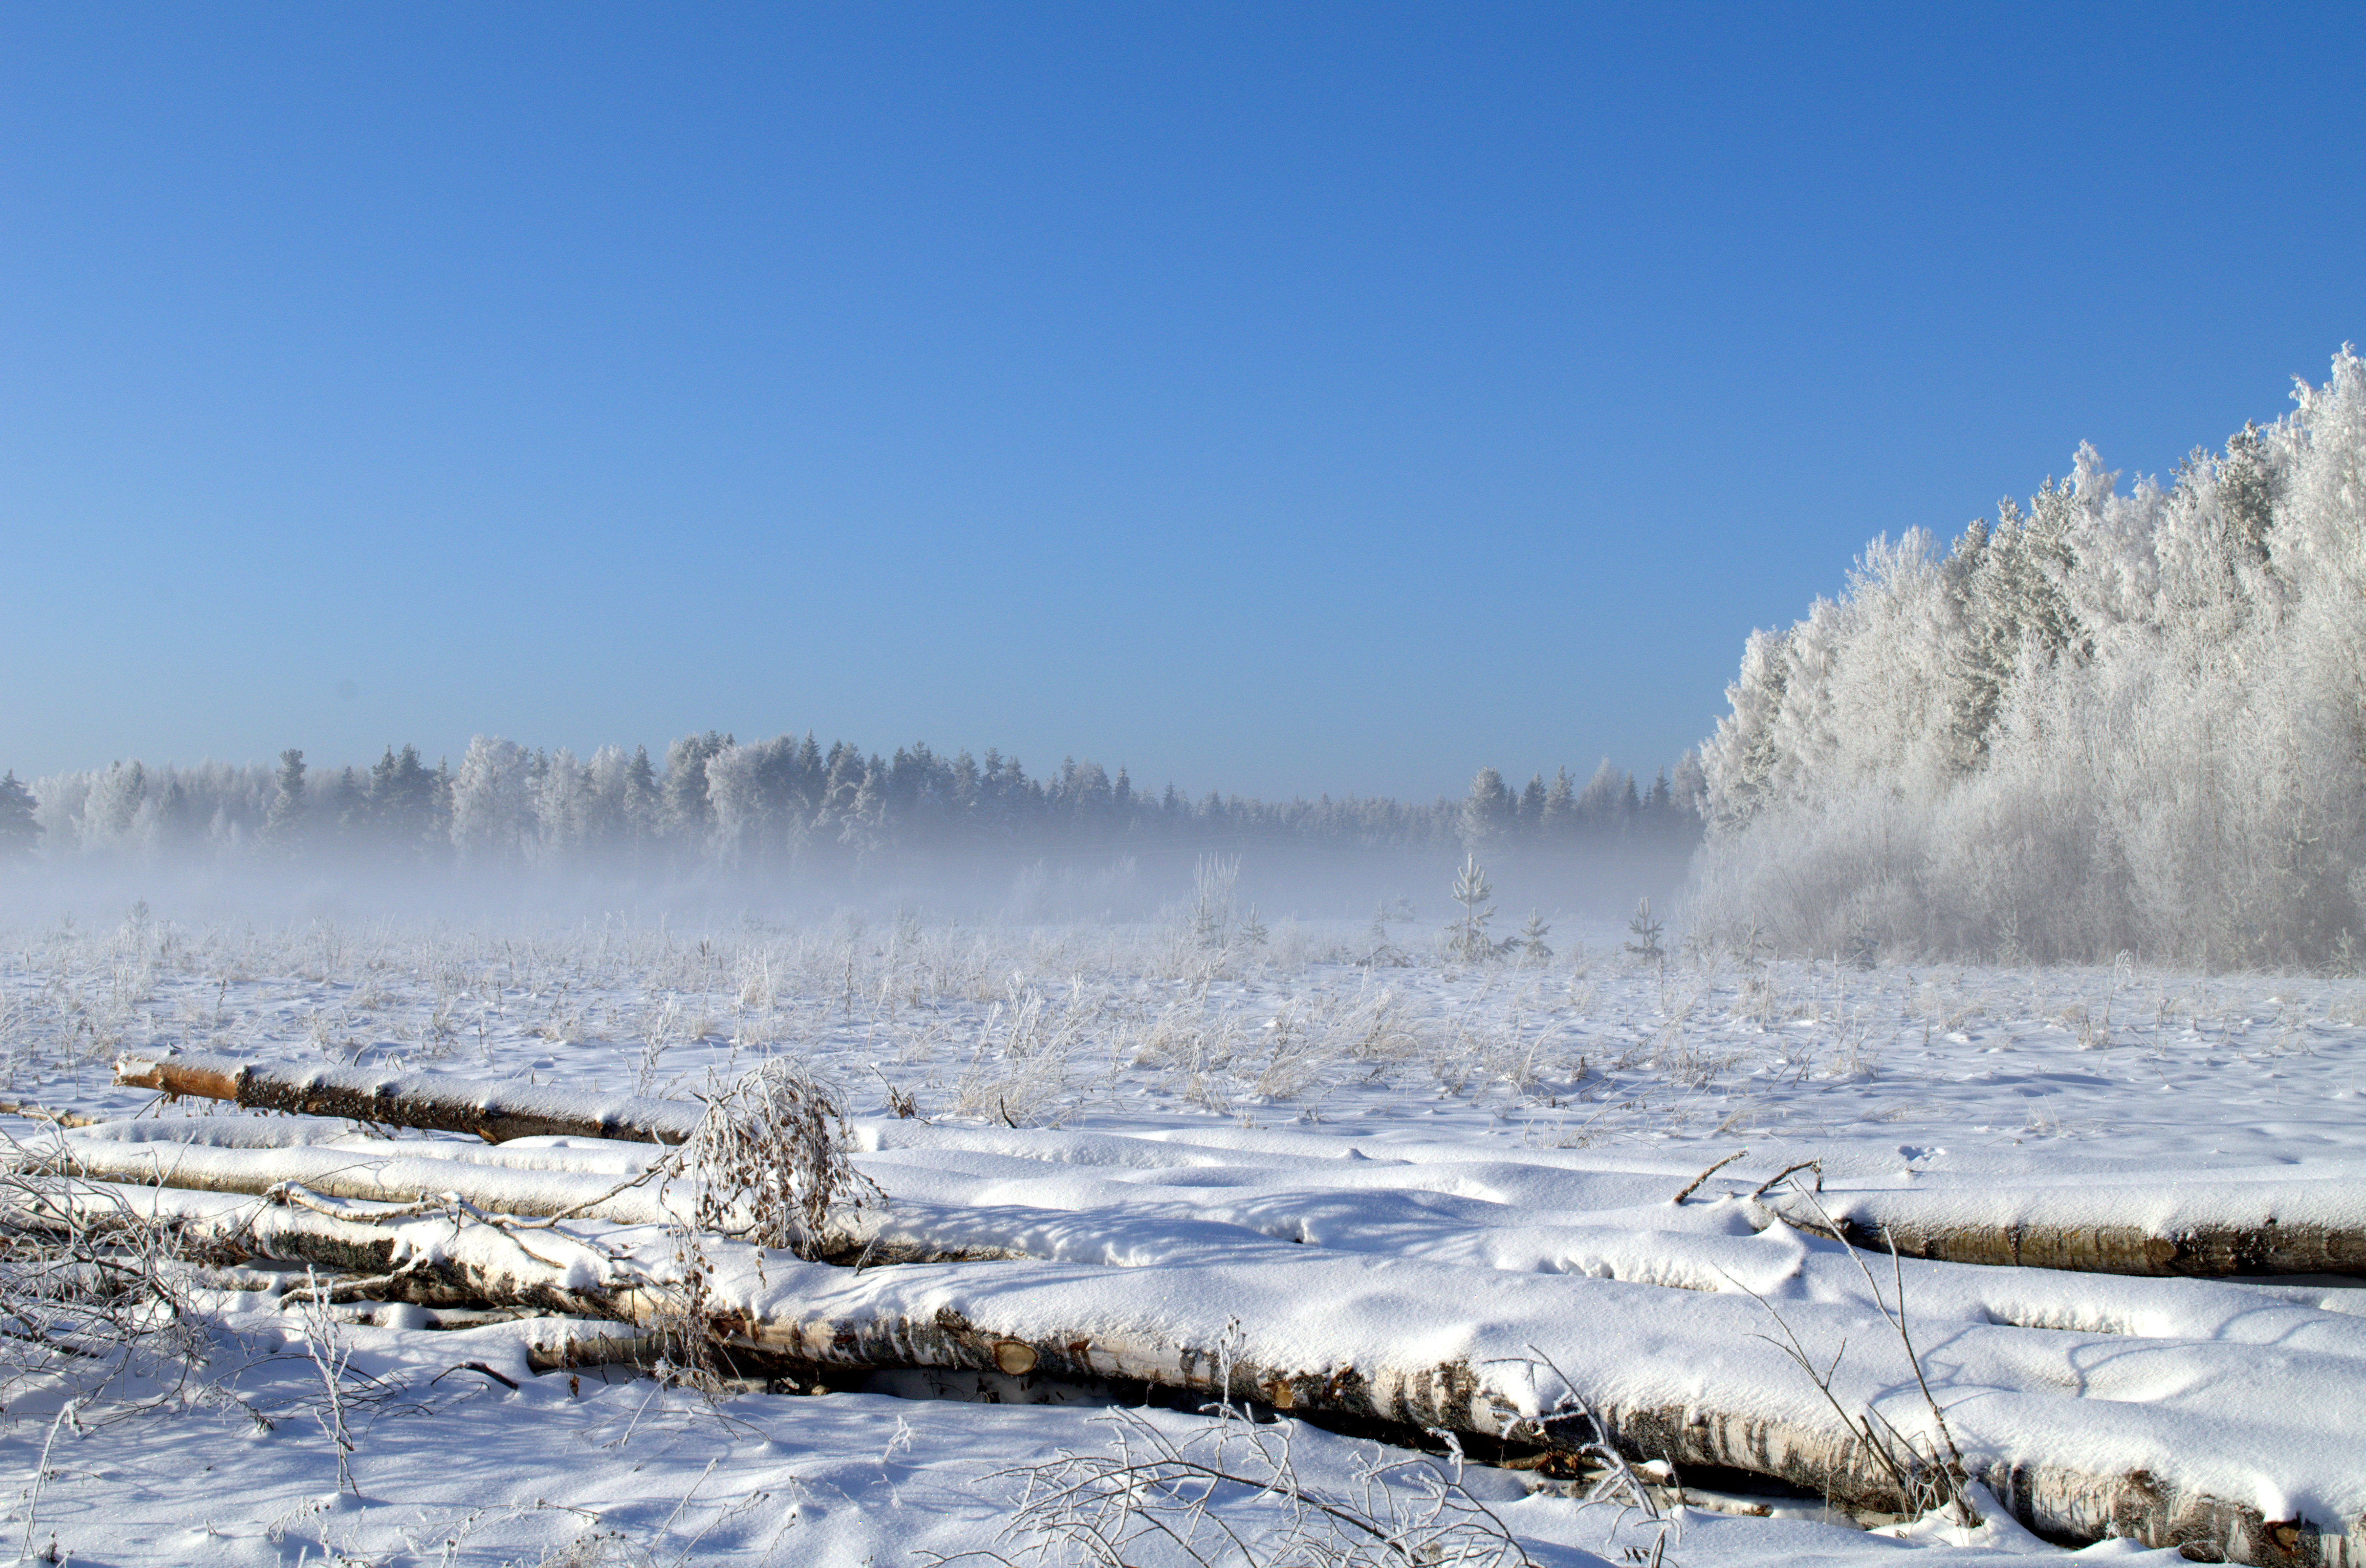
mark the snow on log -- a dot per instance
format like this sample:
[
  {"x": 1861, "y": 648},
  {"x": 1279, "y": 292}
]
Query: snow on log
[
  {"x": 2199, "y": 1224},
  {"x": 399, "y": 1175},
  {"x": 33, "y": 1112},
  {"x": 2226, "y": 1450},
  {"x": 391, "y": 1173},
  {"x": 431, "y": 1101}
]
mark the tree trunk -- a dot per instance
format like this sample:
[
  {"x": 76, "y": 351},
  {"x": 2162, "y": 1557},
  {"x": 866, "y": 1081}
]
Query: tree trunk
[{"x": 431, "y": 1101}]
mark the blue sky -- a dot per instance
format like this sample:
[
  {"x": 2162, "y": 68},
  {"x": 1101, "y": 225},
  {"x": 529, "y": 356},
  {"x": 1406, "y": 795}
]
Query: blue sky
[{"x": 1268, "y": 399}]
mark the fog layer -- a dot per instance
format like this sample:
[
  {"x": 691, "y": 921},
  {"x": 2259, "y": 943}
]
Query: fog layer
[{"x": 783, "y": 826}]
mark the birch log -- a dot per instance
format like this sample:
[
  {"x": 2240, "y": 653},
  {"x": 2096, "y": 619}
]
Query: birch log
[
  {"x": 1697, "y": 1393},
  {"x": 2180, "y": 1224}
]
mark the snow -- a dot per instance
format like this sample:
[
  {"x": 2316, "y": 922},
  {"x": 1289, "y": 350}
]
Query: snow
[{"x": 1382, "y": 1167}]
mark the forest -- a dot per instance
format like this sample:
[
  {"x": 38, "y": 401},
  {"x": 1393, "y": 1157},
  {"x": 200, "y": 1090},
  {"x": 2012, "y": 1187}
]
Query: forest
[
  {"x": 784, "y": 805},
  {"x": 2115, "y": 720}
]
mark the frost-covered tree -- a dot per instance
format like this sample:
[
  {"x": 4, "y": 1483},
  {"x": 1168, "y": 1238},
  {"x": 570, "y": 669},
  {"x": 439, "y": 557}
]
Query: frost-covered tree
[
  {"x": 1689, "y": 789},
  {"x": 2112, "y": 719},
  {"x": 1489, "y": 812},
  {"x": 565, "y": 809},
  {"x": 684, "y": 815},
  {"x": 624, "y": 805},
  {"x": 1467, "y": 938},
  {"x": 1606, "y": 804},
  {"x": 738, "y": 813},
  {"x": 492, "y": 802},
  {"x": 111, "y": 811}
]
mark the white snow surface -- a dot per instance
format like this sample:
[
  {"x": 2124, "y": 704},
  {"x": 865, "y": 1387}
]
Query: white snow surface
[{"x": 1358, "y": 1164}]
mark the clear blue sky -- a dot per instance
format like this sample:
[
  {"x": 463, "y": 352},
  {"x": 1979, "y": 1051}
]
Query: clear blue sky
[{"x": 1270, "y": 398}]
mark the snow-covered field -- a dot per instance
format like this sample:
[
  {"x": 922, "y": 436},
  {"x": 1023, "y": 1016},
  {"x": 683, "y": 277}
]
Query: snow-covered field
[{"x": 1330, "y": 1145}]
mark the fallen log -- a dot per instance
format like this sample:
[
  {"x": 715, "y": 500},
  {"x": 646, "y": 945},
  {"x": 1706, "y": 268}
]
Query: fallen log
[
  {"x": 392, "y": 1177},
  {"x": 1686, "y": 1383},
  {"x": 2194, "y": 1225},
  {"x": 431, "y": 1101},
  {"x": 523, "y": 1191},
  {"x": 33, "y": 1112},
  {"x": 2200, "y": 1225}
]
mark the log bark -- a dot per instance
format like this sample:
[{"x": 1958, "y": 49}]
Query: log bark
[
  {"x": 433, "y": 1101},
  {"x": 412, "y": 1261},
  {"x": 2316, "y": 1227}
]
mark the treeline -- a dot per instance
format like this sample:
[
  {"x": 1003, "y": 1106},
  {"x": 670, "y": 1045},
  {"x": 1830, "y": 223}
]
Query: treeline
[
  {"x": 777, "y": 805},
  {"x": 2110, "y": 721}
]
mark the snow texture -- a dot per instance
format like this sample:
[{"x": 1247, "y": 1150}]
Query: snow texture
[{"x": 1442, "y": 1166}]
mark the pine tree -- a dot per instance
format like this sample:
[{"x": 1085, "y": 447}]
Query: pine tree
[
  {"x": 1560, "y": 818},
  {"x": 640, "y": 804},
  {"x": 283, "y": 824},
  {"x": 2247, "y": 487},
  {"x": 1532, "y": 940},
  {"x": 406, "y": 801},
  {"x": 1532, "y": 806},
  {"x": 1467, "y": 938},
  {"x": 346, "y": 806},
  {"x": 1644, "y": 931},
  {"x": 20, "y": 829}
]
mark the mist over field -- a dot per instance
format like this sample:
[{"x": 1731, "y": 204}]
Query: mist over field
[{"x": 718, "y": 827}]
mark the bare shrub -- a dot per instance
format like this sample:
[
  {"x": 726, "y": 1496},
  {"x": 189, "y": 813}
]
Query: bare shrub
[
  {"x": 87, "y": 1286},
  {"x": 769, "y": 1160}
]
